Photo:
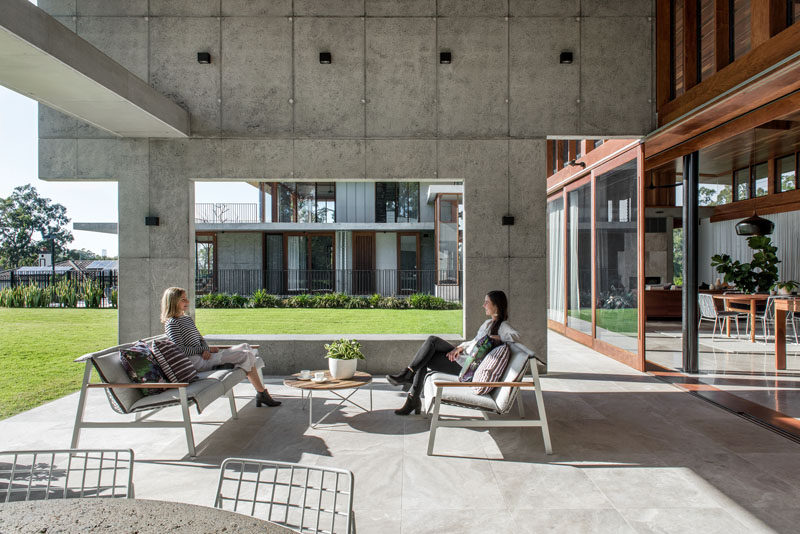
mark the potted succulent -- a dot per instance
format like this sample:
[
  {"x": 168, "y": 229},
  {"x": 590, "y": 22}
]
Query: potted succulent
[
  {"x": 785, "y": 288},
  {"x": 343, "y": 356}
]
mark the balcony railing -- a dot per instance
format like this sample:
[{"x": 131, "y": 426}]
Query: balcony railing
[
  {"x": 226, "y": 212},
  {"x": 284, "y": 283}
]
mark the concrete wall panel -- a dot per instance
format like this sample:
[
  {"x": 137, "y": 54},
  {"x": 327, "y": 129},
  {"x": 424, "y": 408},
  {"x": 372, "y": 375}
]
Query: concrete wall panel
[
  {"x": 398, "y": 159},
  {"x": 58, "y": 158},
  {"x": 482, "y": 275},
  {"x": 527, "y": 296},
  {"x": 329, "y": 8},
  {"x": 164, "y": 273},
  {"x": 473, "y": 8},
  {"x": 401, "y": 8},
  {"x": 401, "y": 77},
  {"x": 54, "y": 124},
  {"x": 544, "y": 8},
  {"x": 184, "y": 8},
  {"x": 278, "y": 156},
  {"x": 473, "y": 89},
  {"x": 322, "y": 159},
  {"x": 123, "y": 39},
  {"x": 475, "y": 160},
  {"x": 174, "y": 206},
  {"x": 528, "y": 199},
  {"x": 620, "y": 103},
  {"x": 628, "y": 8},
  {"x": 256, "y": 76},
  {"x": 175, "y": 72},
  {"x": 254, "y": 159},
  {"x": 112, "y": 159},
  {"x": 58, "y": 8},
  {"x": 112, "y": 8},
  {"x": 192, "y": 158},
  {"x": 256, "y": 8},
  {"x": 133, "y": 205},
  {"x": 538, "y": 105},
  {"x": 135, "y": 306},
  {"x": 485, "y": 203},
  {"x": 328, "y": 98}
]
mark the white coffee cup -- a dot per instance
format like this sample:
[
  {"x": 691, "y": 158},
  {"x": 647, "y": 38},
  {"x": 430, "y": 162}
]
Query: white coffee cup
[
  {"x": 319, "y": 375},
  {"x": 305, "y": 374}
]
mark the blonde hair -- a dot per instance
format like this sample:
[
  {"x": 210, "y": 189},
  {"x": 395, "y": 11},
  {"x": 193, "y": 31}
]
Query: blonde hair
[{"x": 170, "y": 302}]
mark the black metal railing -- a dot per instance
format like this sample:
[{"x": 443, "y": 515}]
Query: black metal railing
[
  {"x": 284, "y": 283},
  {"x": 108, "y": 282},
  {"x": 226, "y": 212}
]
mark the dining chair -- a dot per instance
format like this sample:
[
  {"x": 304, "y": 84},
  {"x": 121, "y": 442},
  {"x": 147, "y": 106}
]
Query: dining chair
[
  {"x": 65, "y": 473},
  {"x": 768, "y": 317},
  {"x": 305, "y": 498},
  {"x": 709, "y": 312}
]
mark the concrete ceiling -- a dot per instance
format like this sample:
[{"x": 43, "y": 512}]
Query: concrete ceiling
[{"x": 42, "y": 59}]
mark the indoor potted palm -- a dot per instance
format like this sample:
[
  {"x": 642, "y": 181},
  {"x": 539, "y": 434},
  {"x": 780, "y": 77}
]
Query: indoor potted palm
[
  {"x": 785, "y": 288},
  {"x": 343, "y": 356}
]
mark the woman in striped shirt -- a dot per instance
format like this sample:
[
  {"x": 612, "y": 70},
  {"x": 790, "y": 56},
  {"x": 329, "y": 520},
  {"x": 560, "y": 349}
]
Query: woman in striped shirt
[{"x": 181, "y": 330}]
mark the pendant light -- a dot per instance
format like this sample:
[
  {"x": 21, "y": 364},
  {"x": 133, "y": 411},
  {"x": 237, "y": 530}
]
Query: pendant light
[{"x": 754, "y": 225}]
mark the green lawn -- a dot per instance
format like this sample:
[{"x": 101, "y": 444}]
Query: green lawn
[
  {"x": 624, "y": 320},
  {"x": 37, "y": 345}
]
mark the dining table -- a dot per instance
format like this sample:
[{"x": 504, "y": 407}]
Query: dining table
[
  {"x": 751, "y": 300},
  {"x": 782, "y": 307},
  {"x": 142, "y": 516}
]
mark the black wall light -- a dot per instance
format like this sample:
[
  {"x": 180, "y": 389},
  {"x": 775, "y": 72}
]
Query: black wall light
[
  {"x": 445, "y": 58},
  {"x": 508, "y": 220},
  {"x": 204, "y": 58},
  {"x": 151, "y": 221},
  {"x": 325, "y": 58},
  {"x": 565, "y": 58}
]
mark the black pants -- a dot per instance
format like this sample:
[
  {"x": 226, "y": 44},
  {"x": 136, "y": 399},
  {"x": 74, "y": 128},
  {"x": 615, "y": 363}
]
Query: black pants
[{"x": 431, "y": 356}]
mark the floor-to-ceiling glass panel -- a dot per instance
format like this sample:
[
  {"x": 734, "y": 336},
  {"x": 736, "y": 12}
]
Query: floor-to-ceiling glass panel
[
  {"x": 741, "y": 184},
  {"x": 448, "y": 239},
  {"x": 296, "y": 263},
  {"x": 408, "y": 264},
  {"x": 285, "y": 207},
  {"x": 616, "y": 256},
  {"x": 321, "y": 275},
  {"x": 274, "y": 264},
  {"x": 787, "y": 173},
  {"x": 761, "y": 179},
  {"x": 306, "y": 207},
  {"x": 579, "y": 245},
  {"x": 555, "y": 257}
]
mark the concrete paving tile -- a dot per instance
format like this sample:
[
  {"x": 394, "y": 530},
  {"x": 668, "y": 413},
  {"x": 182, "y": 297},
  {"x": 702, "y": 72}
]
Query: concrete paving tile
[
  {"x": 668, "y": 521},
  {"x": 660, "y": 487},
  {"x": 468, "y": 521},
  {"x": 570, "y": 521},
  {"x": 436, "y": 483}
]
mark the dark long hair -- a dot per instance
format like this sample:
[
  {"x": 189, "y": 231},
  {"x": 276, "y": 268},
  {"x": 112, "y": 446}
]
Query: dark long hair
[{"x": 500, "y": 300}]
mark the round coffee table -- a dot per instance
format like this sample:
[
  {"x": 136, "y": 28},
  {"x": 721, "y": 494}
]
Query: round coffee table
[{"x": 308, "y": 387}]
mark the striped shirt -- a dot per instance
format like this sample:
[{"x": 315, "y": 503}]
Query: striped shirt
[{"x": 183, "y": 332}]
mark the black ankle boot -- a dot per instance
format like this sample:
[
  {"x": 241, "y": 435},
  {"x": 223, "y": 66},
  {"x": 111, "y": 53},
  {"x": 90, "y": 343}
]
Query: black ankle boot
[
  {"x": 403, "y": 378},
  {"x": 264, "y": 398},
  {"x": 413, "y": 404}
]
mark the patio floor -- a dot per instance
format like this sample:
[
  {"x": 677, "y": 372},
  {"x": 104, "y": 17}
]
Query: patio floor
[{"x": 632, "y": 454}]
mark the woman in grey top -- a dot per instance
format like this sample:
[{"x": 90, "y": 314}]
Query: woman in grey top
[
  {"x": 436, "y": 354},
  {"x": 181, "y": 330}
]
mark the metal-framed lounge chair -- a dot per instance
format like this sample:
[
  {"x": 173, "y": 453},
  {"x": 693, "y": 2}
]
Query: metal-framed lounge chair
[
  {"x": 65, "y": 473},
  {"x": 306, "y": 498},
  {"x": 443, "y": 388}
]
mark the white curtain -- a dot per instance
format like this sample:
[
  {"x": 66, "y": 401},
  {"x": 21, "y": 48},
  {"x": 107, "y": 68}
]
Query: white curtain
[
  {"x": 555, "y": 225},
  {"x": 293, "y": 263}
]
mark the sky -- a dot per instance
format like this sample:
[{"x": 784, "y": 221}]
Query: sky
[{"x": 85, "y": 201}]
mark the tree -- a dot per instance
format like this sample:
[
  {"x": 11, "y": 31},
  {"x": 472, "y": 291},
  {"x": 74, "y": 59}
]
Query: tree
[{"x": 24, "y": 217}]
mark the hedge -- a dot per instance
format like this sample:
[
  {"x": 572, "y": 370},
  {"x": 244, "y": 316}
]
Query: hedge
[{"x": 262, "y": 299}]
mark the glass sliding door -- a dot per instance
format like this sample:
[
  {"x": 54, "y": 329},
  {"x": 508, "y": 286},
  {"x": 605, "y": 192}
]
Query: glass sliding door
[
  {"x": 616, "y": 257},
  {"x": 408, "y": 263},
  {"x": 274, "y": 267},
  {"x": 579, "y": 259},
  {"x": 296, "y": 263},
  {"x": 555, "y": 258},
  {"x": 321, "y": 256}
]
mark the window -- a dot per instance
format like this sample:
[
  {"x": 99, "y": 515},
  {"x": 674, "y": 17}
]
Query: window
[
  {"x": 396, "y": 202},
  {"x": 715, "y": 190},
  {"x": 579, "y": 259},
  {"x": 761, "y": 179},
  {"x": 786, "y": 173},
  {"x": 741, "y": 184},
  {"x": 555, "y": 256},
  {"x": 306, "y": 202},
  {"x": 563, "y": 153},
  {"x": 448, "y": 233}
]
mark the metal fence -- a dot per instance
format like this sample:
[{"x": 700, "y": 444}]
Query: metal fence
[
  {"x": 108, "y": 281},
  {"x": 226, "y": 212},
  {"x": 284, "y": 283}
]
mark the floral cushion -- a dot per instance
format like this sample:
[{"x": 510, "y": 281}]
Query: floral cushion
[
  {"x": 491, "y": 368},
  {"x": 176, "y": 366},
  {"x": 141, "y": 366}
]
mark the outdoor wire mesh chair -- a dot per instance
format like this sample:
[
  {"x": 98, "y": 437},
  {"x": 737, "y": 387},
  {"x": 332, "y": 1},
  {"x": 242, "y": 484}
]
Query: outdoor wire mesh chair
[
  {"x": 708, "y": 312},
  {"x": 302, "y": 497},
  {"x": 65, "y": 473}
]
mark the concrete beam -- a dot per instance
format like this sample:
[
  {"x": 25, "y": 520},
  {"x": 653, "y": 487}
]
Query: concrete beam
[
  {"x": 99, "y": 227},
  {"x": 42, "y": 59},
  {"x": 308, "y": 227}
]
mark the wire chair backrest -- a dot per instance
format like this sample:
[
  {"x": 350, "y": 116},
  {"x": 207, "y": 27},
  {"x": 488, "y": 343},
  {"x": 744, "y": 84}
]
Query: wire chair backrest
[
  {"x": 65, "y": 473},
  {"x": 706, "y": 303},
  {"x": 302, "y": 497}
]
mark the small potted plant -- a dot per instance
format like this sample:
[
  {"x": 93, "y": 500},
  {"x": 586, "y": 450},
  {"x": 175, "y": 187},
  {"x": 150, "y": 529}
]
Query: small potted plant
[
  {"x": 343, "y": 356},
  {"x": 785, "y": 288}
]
